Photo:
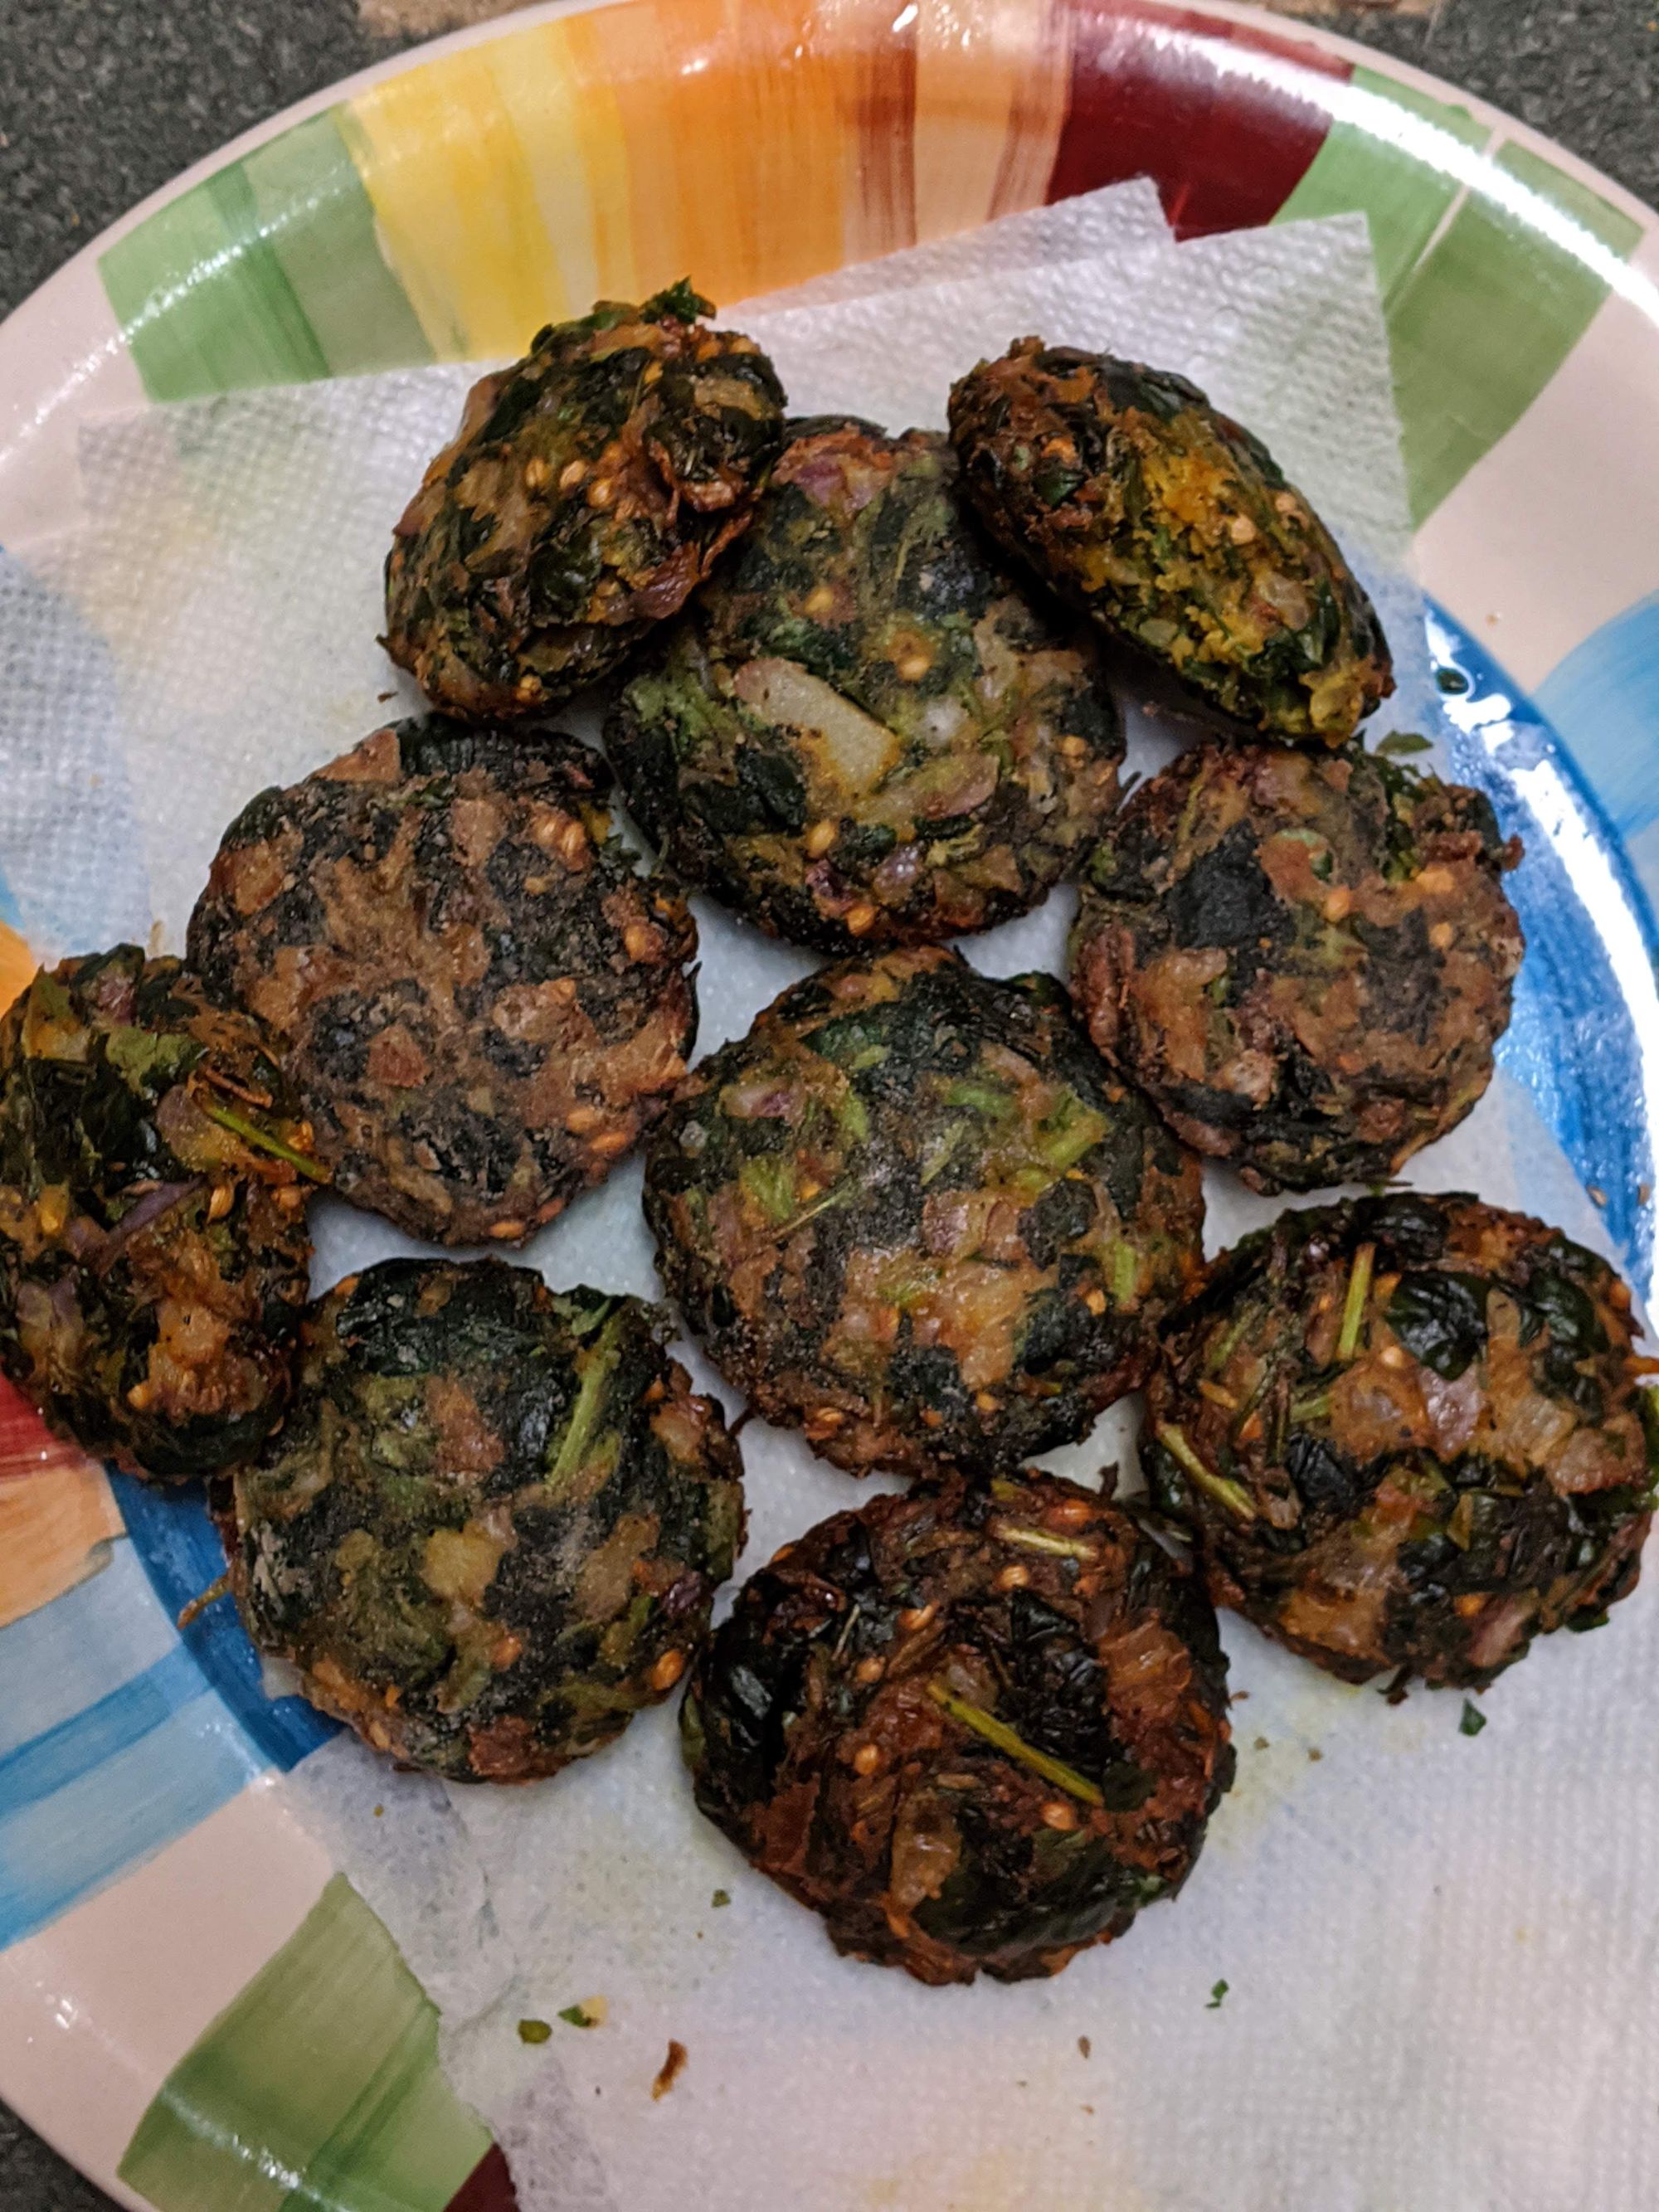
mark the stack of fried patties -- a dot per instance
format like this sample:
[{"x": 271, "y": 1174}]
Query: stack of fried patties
[{"x": 861, "y": 690}]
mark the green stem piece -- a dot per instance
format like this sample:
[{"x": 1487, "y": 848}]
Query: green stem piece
[
  {"x": 1003, "y": 1738},
  {"x": 1354, "y": 1306},
  {"x": 1225, "y": 1492},
  {"x": 263, "y": 1140},
  {"x": 1039, "y": 1540}
]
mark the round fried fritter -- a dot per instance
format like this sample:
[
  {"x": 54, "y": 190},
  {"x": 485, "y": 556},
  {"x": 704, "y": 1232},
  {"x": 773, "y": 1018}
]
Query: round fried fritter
[
  {"x": 153, "y": 1245},
  {"x": 492, "y": 1528},
  {"x": 860, "y": 732},
  {"x": 589, "y": 488},
  {"x": 483, "y": 1005},
  {"x": 914, "y": 1214},
  {"x": 1304, "y": 959},
  {"x": 1407, "y": 1432},
  {"x": 1173, "y": 527},
  {"x": 969, "y": 1729}
]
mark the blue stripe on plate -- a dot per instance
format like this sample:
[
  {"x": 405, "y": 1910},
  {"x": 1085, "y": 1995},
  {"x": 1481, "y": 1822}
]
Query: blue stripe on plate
[
  {"x": 179, "y": 1549},
  {"x": 117, "y": 1735},
  {"x": 65, "y": 1656},
  {"x": 1584, "y": 1040},
  {"x": 1603, "y": 699},
  {"x": 142, "y": 1793},
  {"x": 50, "y": 1762}
]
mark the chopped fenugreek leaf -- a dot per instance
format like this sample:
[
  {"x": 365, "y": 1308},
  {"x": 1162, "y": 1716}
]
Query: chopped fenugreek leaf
[
  {"x": 1472, "y": 1721},
  {"x": 537, "y": 2031},
  {"x": 1217, "y": 1993}
]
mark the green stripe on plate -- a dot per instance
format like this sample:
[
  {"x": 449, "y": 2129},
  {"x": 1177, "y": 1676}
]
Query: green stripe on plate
[
  {"x": 1369, "y": 172},
  {"x": 317, "y": 2089},
  {"x": 1482, "y": 324},
  {"x": 267, "y": 272}
]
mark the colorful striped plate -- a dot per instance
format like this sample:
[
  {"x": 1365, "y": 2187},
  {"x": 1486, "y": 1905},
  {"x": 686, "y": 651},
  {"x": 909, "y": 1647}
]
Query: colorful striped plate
[{"x": 193, "y": 2003}]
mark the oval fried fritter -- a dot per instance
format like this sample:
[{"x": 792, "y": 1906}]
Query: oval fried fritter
[
  {"x": 153, "y": 1244},
  {"x": 861, "y": 730},
  {"x": 915, "y": 1215},
  {"x": 490, "y": 1531},
  {"x": 483, "y": 1005},
  {"x": 1306, "y": 960},
  {"x": 969, "y": 1729},
  {"x": 1138, "y": 501},
  {"x": 1407, "y": 1432},
  {"x": 589, "y": 488}
]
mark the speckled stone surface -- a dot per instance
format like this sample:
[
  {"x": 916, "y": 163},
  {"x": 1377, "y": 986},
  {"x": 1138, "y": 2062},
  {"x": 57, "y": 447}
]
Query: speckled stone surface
[{"x": 94, "y": 116}]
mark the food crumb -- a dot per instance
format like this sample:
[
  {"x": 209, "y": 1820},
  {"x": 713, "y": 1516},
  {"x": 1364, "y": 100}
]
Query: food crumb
[
  {"x": 1261, "y": 1743},
  {"x": 1643, "y": 1193},
  {"x": 380, "y": 1812},
  {"x": 589, "y": 2012},
  {"x": 1238, "y": 1697},
  {"x": 669, "y": 2072},
  {"x": 1472, "y": 1721},
  {"x": 1598, "y": 1196},
  {"x": 1083, "y": 2045},
  {"x": 720, "y": 1897},
  {"x": 1316, "y": 1756},
  {"x": 1217, "y": 1993},
  {"x": 534, "y": 2030}
]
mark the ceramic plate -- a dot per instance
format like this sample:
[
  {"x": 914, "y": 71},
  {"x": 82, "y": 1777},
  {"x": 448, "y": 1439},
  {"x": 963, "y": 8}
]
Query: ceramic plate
[{"x": 195, "y": 2005}]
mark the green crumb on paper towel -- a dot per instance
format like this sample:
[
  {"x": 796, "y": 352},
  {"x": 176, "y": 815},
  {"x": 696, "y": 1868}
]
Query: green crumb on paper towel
[
  {"x": 1398, "y": 743},
  {"x": 1473, "y": 1722},
  {"x": 590, "y": 2012},
  {"x": 721, "y": 1897},
  {"x": 537, "y": 2031},
  {"x": 1216, "y": 1994}
]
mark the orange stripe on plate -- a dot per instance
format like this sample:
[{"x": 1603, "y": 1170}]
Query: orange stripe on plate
[
  {"x": 734, "y": 125},
  {"x": 988, "y": 71},
  {"x": 1042, "y": 100},
  {"x": 17, "y": 966}
]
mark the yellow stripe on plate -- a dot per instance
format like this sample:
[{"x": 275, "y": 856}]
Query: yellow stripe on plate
[{"x": 444, "y": 157}]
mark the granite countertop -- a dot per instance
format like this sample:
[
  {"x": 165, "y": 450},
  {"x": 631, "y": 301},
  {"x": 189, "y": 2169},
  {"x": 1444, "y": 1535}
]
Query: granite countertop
[{"x": 96, "y": 117}]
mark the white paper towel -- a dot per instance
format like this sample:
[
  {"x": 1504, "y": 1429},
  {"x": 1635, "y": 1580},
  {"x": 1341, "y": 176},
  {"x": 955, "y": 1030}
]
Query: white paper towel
[{"x": 1439, "y": 1950}]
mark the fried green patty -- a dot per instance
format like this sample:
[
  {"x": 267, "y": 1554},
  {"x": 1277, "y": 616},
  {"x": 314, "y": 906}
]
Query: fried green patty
[
  {"x": 490, "y": 1530},
  {"x": 914, "y": 1214},
  {"x": 590, "y": 487},
  {"x": 1175, "y": 530},
  {"x": 970, "y": 1729},
  {"x": 482, "y": 1004},
  {"x": 153, "y": 1245},
  {"x": 861, "y": 730},
  {"x": 1407, "y": 1432},
  {"x": 1306, "y": 960}
]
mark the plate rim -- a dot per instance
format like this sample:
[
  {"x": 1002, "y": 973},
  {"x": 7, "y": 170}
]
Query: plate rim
[{"x": 42, "y": 370}]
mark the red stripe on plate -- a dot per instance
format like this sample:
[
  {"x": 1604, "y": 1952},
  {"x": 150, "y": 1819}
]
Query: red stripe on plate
[
  {"x": 488, "y": 2188},
  {"x": 26, "y": 1444},
  {"x": 1151, "y": 96}
]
